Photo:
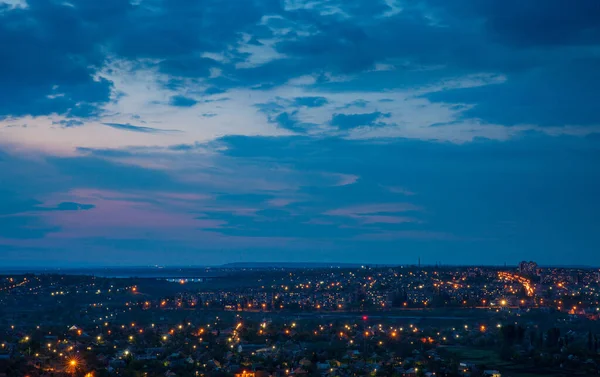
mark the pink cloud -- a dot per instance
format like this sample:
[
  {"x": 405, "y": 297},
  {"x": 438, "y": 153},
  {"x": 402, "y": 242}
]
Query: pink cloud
[
  {"x": 90, "y": 193},
  {"x": 114, "y": 217},
  {"x": 126, "y": 214},
  {"x": 136, "y": 214},
  {"x": 280, "y": 202},
  {"x": 184, "y": 196}
]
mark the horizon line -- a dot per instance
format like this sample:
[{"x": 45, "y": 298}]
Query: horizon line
[{"x": 275, "y": 265}]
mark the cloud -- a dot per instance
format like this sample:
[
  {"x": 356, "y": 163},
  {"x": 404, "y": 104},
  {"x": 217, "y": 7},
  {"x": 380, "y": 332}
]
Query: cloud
[
  {"x": 346, "y": 179},
  {"x": 557, "y": 23},
  {"x": 399, "y": 190},
  {"x": 548, "y": 96},
  {"x": 287, "y": 121},
  {"x": 12, "y": 4},
  {"x": 70, "y": 206},
  {"x": 218, "y": 192},
  {"x": 40, "y": 42},
  {"x": 69, "y": 123},
  {"x": 187, "y": 66},
  {"x": 349, "y": 121},
  {"x": 129, "y": 127},
  {"x": 262, "y": 44},
  {"x": 310, "y": 101},
  {"x": 317, "y": 117},
  {"x": 37, "y": 68},
  {"x": 280, "y": 202},
  {"x": 182, "y": 101},
  {"x": 375, "y": 208}
]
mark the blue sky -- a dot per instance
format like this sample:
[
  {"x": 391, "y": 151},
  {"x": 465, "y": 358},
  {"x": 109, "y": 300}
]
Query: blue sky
[{"x": 206, "y": 132}]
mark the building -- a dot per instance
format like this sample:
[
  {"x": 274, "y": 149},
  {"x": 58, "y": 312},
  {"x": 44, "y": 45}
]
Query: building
[
  {"x": 491, "y": 373},
  {"x": 528, "y": 267}
]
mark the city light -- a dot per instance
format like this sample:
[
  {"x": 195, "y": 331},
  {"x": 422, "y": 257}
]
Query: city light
[{"x": 250, "y": 336}]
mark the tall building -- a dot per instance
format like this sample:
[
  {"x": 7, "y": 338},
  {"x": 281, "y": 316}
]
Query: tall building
[{"x": 528, "y": 267}]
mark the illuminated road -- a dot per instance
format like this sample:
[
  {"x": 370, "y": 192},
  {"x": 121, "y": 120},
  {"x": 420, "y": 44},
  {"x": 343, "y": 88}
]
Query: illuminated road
[
  {"x": 14, "y": 285},
  {"x": 526, "y": 283}
]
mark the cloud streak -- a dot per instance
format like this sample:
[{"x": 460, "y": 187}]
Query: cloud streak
[{"x": 132, "y": 128}]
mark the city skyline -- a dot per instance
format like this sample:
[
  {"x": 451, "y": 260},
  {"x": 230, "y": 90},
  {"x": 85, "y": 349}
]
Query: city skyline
[{"x": 207, "y": 132}]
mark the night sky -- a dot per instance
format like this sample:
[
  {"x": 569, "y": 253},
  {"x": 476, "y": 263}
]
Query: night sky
[{"x": 195, "y": 132}]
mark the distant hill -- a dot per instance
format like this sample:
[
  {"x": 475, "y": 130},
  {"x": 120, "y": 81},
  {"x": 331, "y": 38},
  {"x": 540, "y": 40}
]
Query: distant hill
[{"x": 289, "y": 265}]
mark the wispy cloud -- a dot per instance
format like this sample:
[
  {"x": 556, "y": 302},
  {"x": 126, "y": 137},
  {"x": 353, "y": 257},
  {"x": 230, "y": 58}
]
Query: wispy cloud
[
  {"x": 346, "y": 179},
  {"x": 399, "y": 190},
  {"x": 381, "y": 213},
  {"x": 280, "y": 202},
  {"x": 132, "y": 128},
  {"x": 366, "y": 209}
]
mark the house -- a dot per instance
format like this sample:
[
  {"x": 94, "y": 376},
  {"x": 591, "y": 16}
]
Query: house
[
  {"x": 335, "y": 363},
  {"x": 147, "y": 356},
  {"x": 117, "y": 363},
  {"x": 305, "y": 362},
  {"x": 467, "y": 368},
  {"x": 299, "y": 372},
  {"x": 491, "y": 373}
]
